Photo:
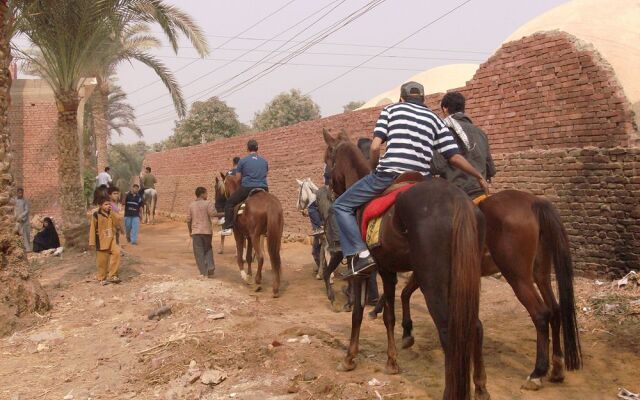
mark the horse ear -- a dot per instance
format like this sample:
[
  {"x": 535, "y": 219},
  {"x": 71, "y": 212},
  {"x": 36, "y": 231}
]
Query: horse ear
[
  {"x": 217, "y": 180},
  {"x": 299, "y": 182},
  {"x": 343, "y": 135},
  {"x": 221, "y": 176},
  {"x": 328, "y": 139}
]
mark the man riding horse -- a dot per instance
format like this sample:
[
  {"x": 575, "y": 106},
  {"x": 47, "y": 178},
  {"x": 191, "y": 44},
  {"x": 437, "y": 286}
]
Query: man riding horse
[
  {"x": 411, "y": 132},
  {"x": 253, "y": 171}
]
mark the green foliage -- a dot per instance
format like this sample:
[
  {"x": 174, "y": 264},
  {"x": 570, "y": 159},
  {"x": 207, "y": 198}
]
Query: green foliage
[
  {"x": 352, "y": 105},
  {"x": 125, "y": 161},
  {"x": 286, "y": 109},
  {"x": 88, "y": 184},
  {"x": 211, "y": 119}
]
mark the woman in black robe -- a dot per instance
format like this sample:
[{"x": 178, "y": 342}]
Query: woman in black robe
[{"x": 47, "y": 238}]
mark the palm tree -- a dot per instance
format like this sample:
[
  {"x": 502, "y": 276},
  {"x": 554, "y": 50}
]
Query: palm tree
[
  {"x": 71, "y": 35},
  {"x": 18, "y": 289},
  {"x": 120, "y": 117},
  {"x": 132, "y": 43}
]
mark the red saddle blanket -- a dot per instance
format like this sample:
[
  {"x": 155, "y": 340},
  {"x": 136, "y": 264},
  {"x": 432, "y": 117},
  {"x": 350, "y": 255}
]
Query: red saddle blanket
[{"x": 378, "y": 206}]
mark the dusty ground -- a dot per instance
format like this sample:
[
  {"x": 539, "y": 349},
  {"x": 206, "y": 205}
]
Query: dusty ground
[{"x": 98, "y": 343}]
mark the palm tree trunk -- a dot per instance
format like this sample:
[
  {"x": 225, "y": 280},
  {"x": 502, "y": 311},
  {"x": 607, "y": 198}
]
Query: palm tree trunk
[
  {"x": 19, "y": 293},
  {"x": 101, "y": 128},
  {"x": 76, "y": 227}
]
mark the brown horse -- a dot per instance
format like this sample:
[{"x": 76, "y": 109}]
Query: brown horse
[
  {"x": 262, "y": 216},
  {"x": 524, "y": 237},
  {"x": 434, "y": 231}
]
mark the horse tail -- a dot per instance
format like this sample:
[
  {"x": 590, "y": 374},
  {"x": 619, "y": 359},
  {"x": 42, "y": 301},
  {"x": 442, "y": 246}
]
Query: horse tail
[
  {"x": 464, "y": 297},
  {"x": 554, "y": 237}
]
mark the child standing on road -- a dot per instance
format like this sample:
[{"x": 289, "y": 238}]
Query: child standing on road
[{"x": 102, "y": 239}]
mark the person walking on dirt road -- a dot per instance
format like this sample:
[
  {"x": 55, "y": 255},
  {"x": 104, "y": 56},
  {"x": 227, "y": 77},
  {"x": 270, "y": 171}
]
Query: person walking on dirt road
[{"x": 199, "y": 223}]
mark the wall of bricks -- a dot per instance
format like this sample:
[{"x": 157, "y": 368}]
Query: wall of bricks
[
  {"x": 32, "y": 120},
  {"x": 558, "y": 122}
]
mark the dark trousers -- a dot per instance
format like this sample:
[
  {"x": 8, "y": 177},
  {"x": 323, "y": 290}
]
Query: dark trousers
[
  {"x": 314, "y": 215},
  {"x": 236, "y": 198},
  {"x": 203, "y": 252}
]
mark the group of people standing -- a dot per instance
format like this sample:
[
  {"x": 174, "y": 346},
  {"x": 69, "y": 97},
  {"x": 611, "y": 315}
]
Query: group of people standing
[{"x": 112, "y": 219}]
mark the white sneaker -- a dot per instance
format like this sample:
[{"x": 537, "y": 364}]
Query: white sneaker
[
  {"x": 221, "y": 221},
  {"x": 226, "y": 232}
]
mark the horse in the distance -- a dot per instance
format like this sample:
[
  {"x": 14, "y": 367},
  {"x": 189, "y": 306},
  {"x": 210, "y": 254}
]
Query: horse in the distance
[
  {"x": 433, "y": 230},
  {"x": 220, "y": 199},
  {"x": 150, "y": 198},
  {"x": 525, "y": 237},
  {"x": 262, "y": 215}
]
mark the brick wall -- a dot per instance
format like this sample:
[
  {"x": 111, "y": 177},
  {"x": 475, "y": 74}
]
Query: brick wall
[
  {"x": 558, "y": 122},
  {"x": 32, "y": 119}
]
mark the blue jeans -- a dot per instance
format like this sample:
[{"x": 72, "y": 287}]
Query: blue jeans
[
  {"x": 346, "y": 205},
  {"x": 132, "y": 224},
  {"x": 314, "y": 215}
]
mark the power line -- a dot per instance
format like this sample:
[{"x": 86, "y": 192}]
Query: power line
[
  {"x": 222, "y": 45},
  {"x": 241, "y": 55},
  {"x": 316, "y": 38},
  {"x": 390, "y": 47},
  {"x": 247, "y": 38}
]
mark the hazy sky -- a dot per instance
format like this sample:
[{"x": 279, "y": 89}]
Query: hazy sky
[{"x": 469, "y": 34}]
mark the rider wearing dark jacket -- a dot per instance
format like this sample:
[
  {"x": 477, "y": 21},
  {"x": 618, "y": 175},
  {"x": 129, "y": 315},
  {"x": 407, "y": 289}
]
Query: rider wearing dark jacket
[{"x": 473, "y": 145}]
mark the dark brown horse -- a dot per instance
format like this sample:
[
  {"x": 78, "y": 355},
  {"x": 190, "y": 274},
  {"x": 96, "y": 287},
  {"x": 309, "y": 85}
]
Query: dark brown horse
[
  {"x": 262, "y": 216},
  {"x": 525, "y": 237},
  {"x": 434, "y": 231}
]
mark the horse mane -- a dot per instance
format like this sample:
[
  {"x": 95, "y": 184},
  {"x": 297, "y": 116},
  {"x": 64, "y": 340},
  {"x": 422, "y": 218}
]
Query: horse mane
[{"x": 231, "y": 184}]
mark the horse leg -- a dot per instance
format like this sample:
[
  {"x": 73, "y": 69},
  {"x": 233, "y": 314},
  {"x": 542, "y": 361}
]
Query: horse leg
[
  {"x": 542, "y": 277},
  {"x": 249, "y": 257},
  {"x": 334, "y": 262},
  {"x": 479, "y": 373},
  {"x": 221, "y": 245},
  {"x": 358, "y": 288},
  {"x": 259, "y": 255},
  {"x": 407, "y": 323},
  {"x": 239, "y": 251},
  {"x": 540, "y": 315},
  {"x": 373, "y": 314},
  {"x": 389, "y": 280}
]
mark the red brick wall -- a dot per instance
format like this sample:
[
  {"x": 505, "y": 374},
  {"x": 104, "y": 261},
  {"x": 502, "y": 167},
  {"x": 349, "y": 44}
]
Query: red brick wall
[
  {"x": 558, "y": 123},
  {"x": 32, "y": 119}
]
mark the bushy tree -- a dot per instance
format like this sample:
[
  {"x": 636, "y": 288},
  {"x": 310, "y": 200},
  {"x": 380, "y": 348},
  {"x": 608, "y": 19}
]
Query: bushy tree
[
  {"x": 211, "y": 119},
  {"x": 286, "y": 109},
  {"x": 352, "y": 105}
]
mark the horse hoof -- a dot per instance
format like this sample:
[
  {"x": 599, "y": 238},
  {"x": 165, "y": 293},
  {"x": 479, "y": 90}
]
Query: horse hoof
[
  {"x": 276, "y": 295},
  {"x": 373, "y": 315},
  {"x": 532, "y": 384},
  {"x": 481, "y": 395},
  {"x": 244, "y": 276},
  {"x": 258, "y": 289},
  {"x": 557, "y": 370},
  {"x": 346, "y": 367},
  {"x": 347, "y": 308},
  {"x": 392, "y": 369},
  {"x": 407, "y": 342},
  {"x": 318, "y": 277}
]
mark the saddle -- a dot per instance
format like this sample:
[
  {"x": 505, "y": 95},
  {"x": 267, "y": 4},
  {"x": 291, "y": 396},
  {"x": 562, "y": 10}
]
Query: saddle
[
  {"x": 371, "y": 221},
  {"x": 240, "y": 207}
]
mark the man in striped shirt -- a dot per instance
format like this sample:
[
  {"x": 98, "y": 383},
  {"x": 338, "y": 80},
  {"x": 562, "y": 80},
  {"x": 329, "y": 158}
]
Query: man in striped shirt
[{"x": 412, "y": 132}]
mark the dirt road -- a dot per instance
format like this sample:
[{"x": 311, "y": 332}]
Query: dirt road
[{"x": 98, "y": 343}]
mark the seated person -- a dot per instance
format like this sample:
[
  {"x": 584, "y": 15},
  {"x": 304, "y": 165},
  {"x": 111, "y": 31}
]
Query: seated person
[
  {"x": 253, "y": 171},
  {"x": 47, "y": 238}
]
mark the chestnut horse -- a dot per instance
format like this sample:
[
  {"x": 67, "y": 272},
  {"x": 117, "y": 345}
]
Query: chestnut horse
[
  {"x": 524, "y": 237},
  {"x": 433, "y": 230},
  {"x": 262, "y": 216}
]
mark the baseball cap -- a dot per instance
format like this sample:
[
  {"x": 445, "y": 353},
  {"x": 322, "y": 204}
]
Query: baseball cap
[{"x": 411, "y": 89}]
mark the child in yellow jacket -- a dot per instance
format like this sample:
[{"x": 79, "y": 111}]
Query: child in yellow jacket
[{"x": 102, "y": 239}]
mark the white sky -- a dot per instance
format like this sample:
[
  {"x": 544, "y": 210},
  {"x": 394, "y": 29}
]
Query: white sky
[{"x": 469, "y": 34}]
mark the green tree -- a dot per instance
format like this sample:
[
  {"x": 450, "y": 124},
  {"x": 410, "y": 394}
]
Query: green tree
[
  {"x": 126, "y": 162},
  {"x": 209, "y": 120},
  {"x": 352, "y": 105},
  {"x": 287, "y": 108}
]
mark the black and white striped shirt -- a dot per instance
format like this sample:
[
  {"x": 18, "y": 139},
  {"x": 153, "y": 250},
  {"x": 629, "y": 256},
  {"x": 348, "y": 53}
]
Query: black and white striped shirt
[{"x": 412, "y": 132}]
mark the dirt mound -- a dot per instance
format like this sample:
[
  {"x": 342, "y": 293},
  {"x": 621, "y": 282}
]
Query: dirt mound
[{"x": 20, "y": 294}]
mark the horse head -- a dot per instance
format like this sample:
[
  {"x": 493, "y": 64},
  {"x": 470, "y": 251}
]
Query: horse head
[
  {"x": 345, "y": 161},
  {"x": 306, "y": 194},
  {"x": 219, "y": 190}
]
